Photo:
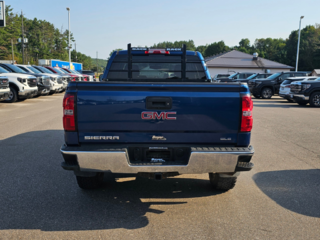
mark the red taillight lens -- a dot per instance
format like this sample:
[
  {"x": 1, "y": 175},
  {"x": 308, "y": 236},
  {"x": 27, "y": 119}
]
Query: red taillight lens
[
  {"x": 73, "y": 79},
  {"x": 68, "y": 112},
  {"x": 246, "y": 118}
]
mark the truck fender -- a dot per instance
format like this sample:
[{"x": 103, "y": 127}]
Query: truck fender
[
  {"x": 13, "y": 85},
  {"x": 317, "y": 89}
]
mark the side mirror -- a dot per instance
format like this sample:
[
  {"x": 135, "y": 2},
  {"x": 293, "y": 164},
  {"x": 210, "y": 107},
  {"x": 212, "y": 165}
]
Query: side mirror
[{"x": 280, "y": 79}]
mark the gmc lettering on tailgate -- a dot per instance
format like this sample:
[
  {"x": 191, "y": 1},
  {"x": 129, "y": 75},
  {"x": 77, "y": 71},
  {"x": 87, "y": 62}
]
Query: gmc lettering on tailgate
[{"x": 159, "y": 116}]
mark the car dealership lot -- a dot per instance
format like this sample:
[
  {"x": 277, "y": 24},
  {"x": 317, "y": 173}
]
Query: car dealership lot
[{"x": 278, "y": 199}]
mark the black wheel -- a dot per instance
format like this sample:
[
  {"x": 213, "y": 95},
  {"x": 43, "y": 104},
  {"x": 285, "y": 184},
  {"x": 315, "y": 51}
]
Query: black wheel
[
  {"x": 266, "y": 93},
  {"x": 256, "y": 96},
  {"x": 315, "y": 99},
  {"x": 13, "y": 96},
  {"x": 302, "y": 103},
  {"x": 222, "y": 183},
  {"x": 90, "y": 182},
  {"x": 290, "y": 101}
]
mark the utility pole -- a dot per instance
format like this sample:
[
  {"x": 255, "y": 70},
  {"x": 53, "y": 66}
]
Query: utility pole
[
  {"x": 68, "y": 9},
  {"x": 298, "y": 44},
  {"x": 22, "y": 37},
  {"x": 97, "y": 64},
  {"x": 75, "y": 46},
  {"x": 12, "y": 51}
]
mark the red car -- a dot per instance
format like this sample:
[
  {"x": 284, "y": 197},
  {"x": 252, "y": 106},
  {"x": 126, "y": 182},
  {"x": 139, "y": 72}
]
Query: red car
[
  {"x": 86, "y": 77},
  {"x": 60, "y": 72}
]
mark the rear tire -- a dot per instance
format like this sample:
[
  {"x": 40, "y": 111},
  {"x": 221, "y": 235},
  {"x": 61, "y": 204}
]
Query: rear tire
[
  {"x": 222, "y": 183},
  {"x": 266, "y": 93},
  {"x": 88, "y": 183},
  {"x": 315, "y": 99},
  {"x": 290, "y": 101},
  {"x": 13, "y": 96}
]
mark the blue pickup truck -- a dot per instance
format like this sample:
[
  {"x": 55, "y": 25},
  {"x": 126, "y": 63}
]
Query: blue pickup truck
[{"x": 157, "y": 114}]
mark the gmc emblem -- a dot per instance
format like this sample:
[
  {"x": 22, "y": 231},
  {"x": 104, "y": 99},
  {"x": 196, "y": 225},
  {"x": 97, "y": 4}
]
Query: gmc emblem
[{"x": 155, "y": 115}]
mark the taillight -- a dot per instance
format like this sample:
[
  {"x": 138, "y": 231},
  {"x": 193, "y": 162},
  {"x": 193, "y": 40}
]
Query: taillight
[
  {"x": 68, "y": 112},
  {"x": 246, "y": 118},
  {"x": 73, "y": 79}
]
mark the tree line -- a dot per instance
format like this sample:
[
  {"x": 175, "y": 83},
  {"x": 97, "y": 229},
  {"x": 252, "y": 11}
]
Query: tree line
[
  {"x": 44, "y": 41},
  {"x": 275, "y": 49}
]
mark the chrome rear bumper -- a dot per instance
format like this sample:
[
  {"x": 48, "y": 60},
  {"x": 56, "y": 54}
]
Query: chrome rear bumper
[{"x": 202, "y": 160}]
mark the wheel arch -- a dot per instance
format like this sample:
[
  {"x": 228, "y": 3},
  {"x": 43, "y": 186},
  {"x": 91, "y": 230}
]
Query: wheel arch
[
  {"x": 314, "y": 90},
  {"x": 13, "y": 85}
]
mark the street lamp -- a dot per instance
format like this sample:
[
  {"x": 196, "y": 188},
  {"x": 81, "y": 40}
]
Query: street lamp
[
  {"x": 298, "y": 44},
  {"x": 68, "y": 9}
]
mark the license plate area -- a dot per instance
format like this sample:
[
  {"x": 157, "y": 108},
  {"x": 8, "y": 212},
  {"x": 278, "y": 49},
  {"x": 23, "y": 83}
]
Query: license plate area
[{"x": 159, "y": 155}]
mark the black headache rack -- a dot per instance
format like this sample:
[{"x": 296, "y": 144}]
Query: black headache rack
[
  {"x": 127, "y": 73},
  {"x": 183, "y": 59}
]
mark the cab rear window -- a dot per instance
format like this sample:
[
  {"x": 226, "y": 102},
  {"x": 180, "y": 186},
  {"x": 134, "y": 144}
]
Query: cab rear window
[{"x": 155, "y": 67}]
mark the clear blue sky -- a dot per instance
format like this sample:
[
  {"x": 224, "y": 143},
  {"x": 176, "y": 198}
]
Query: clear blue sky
[{"x": 103, "y": 25}]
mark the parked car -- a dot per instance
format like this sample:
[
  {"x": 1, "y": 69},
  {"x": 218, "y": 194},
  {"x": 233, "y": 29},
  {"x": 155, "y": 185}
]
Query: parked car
[
  {"x": 86, "y": 78},
  {"x": 270, "y": 86},
  {"x": 306, "y": 92},
  {"x": 43, "y": 81},
  {"x": 254, "y": 76},
  {"x": 237, "y": 75},
  {"x": 59, "y": 71},
  {"x": 285, "y": 86},
  {"x": 56, "y": 84},
  {"x": 90, "y": 73},
  {"x": 222, "y": 75},
  {"x": 163, "y": 129},
  {"x": 4, "y": 88},
  {"x": 21, "y": 86}
]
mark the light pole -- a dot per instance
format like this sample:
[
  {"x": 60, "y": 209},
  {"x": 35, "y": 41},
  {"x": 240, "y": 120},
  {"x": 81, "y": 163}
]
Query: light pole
[
  {"x": 68, "y": 9},
  {"x": 298, "y": 44}
]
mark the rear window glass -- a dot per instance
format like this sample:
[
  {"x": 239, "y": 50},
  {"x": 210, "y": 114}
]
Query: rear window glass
[
  {"x": 292, "y": 80},
  {"x": 286, "y": 82},
  {"x": 156, "y": 67}
]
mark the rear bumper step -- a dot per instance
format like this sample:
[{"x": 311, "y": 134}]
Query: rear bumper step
[{"x": 116, "y": 160}]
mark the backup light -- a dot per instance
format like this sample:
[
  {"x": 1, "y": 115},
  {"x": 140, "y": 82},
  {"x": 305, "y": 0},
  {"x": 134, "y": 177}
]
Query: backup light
[
  {"x": 246, "y": 118},
  {"x": 68, "y": 112}
]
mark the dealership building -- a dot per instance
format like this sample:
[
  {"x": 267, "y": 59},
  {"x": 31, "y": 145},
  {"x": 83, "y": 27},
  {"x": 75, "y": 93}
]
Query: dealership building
[{"x": 236, "y": 61}]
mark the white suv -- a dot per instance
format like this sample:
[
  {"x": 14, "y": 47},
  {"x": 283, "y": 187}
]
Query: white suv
[
  {"x": 22, "y": 86},
  {"x": 284, "y": 90},
  {"x": 4, "y": 88},
  {"x": 56, "y": 83}
]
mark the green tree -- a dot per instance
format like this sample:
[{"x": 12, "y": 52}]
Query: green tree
[
  {"x": 202, "y": 49},
  {"x": 216, "y": 48},
  {"x": 309, "y": 48},
  {"x": 244, "y": 43},
  {"x": 177, "y": 44}
]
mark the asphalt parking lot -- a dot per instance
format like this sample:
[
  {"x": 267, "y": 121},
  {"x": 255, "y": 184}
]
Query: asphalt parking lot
[{"x": 278, "y": 199}]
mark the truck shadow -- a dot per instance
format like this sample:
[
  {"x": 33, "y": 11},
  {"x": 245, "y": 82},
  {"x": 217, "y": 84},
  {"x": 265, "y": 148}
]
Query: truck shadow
[
  {"x": 295, "y": 190},
  {"x": 36, "y": 193}
]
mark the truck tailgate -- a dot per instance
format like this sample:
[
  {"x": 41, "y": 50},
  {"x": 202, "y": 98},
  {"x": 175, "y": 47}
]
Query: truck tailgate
[{"x": 198, "y": 113}]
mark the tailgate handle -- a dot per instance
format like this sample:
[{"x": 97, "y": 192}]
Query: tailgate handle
[{"x": 158, "y": 103}]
